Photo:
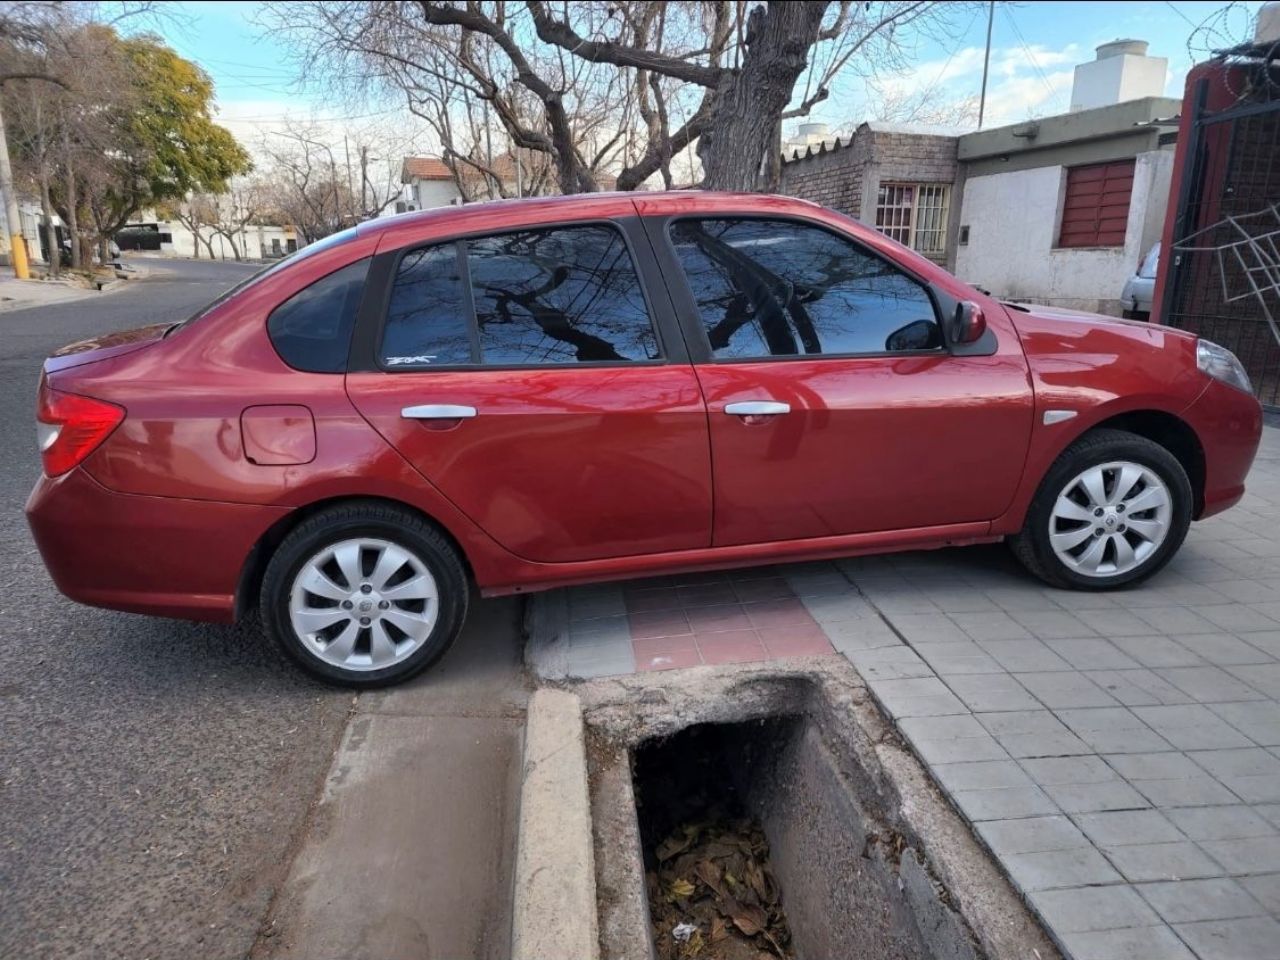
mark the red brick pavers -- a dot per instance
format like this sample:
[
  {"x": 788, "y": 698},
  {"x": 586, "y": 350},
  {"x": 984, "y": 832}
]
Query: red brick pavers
[{"x": 737, "y": 616}]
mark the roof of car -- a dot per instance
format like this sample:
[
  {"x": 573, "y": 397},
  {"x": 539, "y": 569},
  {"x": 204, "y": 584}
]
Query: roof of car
[{"x": 588, "y": 204}]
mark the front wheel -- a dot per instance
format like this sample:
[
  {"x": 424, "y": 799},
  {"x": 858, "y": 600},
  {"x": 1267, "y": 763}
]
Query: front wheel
[
  {"x": 1112, "y": 510},
  {"x": 364, "y": 594}
]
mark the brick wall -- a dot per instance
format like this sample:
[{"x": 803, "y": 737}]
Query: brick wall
[
  {"x": 831, "y": 176},
  {"x": 915, "y": 158},
  {"x": 837, "y": 176}
]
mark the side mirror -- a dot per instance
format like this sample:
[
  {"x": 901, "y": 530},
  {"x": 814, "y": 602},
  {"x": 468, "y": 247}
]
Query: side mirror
[
  {"x": 917, "y": 335},
  {"x": 968, "y": 323}
]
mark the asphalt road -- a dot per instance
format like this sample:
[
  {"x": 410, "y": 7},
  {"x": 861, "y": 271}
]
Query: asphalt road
[{"x": 155, "y": 776}]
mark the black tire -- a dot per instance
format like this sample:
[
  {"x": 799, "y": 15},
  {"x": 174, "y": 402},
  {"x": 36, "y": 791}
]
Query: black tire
[
  {"x": 1031, "y": 545},
  {"x": 401, "y": 527}
]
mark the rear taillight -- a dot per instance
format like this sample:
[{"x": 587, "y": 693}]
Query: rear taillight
[{"x": 69, "y": 427}]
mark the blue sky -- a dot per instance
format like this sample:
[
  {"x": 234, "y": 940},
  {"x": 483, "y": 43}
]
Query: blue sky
[{"x": 1035, "y": 45}]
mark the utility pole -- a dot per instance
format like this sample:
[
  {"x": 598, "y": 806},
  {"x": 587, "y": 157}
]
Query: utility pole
[
  {"x": 364, "y": 180},
  {"x": 17, "y": 246},
  {"x": 351, "y": 190},
  {"x": 986, "y": 62}
]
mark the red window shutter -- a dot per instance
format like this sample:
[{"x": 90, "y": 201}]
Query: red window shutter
[{"x": 1096, "y": 209}]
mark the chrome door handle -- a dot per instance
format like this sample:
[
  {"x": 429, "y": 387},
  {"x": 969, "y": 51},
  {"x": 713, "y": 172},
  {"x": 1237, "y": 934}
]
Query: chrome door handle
[
  {"x": 757, "y": 408},
  {"x": 438, "y": 411}
]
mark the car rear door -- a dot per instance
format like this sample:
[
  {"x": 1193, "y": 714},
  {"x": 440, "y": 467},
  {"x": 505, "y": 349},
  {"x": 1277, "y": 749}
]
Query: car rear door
[
  {"x": 533, "y": 377},
  {"x": 835, "y": 406}
]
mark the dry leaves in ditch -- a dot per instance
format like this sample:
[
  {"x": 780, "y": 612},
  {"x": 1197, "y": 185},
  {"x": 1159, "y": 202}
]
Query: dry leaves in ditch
[{"x": 715, "y": 875}]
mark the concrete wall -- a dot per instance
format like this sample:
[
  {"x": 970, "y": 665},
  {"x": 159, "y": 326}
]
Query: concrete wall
[
  {"x": 429, "y": 194},
  {"x": 1013, "y": 220},
  {"x": 1100, "y": 83},
  {"x": 254, "y": 242}
]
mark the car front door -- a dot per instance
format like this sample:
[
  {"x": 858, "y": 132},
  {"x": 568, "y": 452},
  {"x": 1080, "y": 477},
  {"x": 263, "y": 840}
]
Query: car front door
[
  {"x": 835, "y": 406},
  {"x": 522, "y": 374}
]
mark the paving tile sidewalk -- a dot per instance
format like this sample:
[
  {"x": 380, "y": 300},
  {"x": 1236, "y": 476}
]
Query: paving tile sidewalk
[{"x": 1118, "y": 753}]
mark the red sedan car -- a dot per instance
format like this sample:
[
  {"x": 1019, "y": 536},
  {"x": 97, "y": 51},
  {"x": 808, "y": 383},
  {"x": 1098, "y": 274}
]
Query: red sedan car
[{"x": 530, "y": 394}]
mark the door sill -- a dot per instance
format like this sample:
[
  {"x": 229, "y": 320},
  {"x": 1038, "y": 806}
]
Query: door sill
[{"x": 547, "y": 576}]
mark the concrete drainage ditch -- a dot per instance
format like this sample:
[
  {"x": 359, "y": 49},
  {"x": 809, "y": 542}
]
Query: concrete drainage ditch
[{"x": 868, "y": 858}]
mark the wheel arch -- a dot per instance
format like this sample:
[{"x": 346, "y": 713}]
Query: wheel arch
[
  {"x": 1169, "y": 431},
  {"x": 255, "y": 564}
]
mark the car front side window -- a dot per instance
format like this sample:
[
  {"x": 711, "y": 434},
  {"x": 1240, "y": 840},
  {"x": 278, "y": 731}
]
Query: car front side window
[{"x": 777, "y": 288}]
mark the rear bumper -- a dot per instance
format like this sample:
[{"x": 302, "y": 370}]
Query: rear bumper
[
  {"x": 157, "y": 555},
  {"x": 1229, "y": 425}
]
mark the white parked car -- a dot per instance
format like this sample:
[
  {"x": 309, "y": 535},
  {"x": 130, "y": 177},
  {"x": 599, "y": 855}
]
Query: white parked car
[{"x": 1141, "y": 287}]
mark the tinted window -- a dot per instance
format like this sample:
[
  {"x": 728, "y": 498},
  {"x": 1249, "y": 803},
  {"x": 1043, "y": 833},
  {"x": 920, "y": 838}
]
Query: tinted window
[
  {"x": 312, "y": 329},
  {"x": 427, "y": 320},
  {"x": 775, "y": 288},
  {"x": 567, "y": 295}
]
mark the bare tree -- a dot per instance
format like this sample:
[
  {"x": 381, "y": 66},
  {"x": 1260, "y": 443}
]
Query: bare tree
[
  {"x": 321, "y": 186},
  {"x": 195, "y": 213},
  {"x": 611, "y": 86},
  {"x": 246, "y": 202}
]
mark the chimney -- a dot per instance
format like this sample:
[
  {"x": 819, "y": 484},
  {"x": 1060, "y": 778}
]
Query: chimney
[{"x": 1122, "y": 71}]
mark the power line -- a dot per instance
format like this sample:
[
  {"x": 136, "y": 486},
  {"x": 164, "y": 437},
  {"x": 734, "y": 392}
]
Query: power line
[
  {"x": 1030, "y": 56},
  {"x": 1188, "y": 20}
]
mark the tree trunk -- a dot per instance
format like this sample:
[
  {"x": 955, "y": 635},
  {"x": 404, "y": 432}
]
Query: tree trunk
[
  {"x": 195, "y": 242},
  {"x": 750, "y": 100},
  {"x": 208, "y": 245},
  {"x": 50, "y": 231},
  {"x": 73, "y": 219}
]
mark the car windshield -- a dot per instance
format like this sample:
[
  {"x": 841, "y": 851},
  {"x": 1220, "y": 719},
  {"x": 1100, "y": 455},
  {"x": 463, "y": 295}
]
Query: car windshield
[
  {"x": 1149, "y": 263},
  {"x": 333, "y": 240}
]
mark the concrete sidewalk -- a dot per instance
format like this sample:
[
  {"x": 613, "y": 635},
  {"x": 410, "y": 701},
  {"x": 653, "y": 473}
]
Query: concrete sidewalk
[
  {"x": 410, "y": 852},
  {"x": 19, "y": 294},
  {"x": 1118, "y": 753}
]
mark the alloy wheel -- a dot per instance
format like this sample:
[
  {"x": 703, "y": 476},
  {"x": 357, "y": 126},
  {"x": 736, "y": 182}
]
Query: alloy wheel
[
  {"x": 1110, "y": 518},
  {"x": 363, "y": 604}
]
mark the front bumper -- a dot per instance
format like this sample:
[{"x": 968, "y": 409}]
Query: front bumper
[
  {"x": 1229, "y": 425},
  {"x": 157, "y": 555}
]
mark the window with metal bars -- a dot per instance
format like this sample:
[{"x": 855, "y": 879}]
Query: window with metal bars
[
  {"x": 915, "y": 214},
  {"x": 1095, "y": 206}
]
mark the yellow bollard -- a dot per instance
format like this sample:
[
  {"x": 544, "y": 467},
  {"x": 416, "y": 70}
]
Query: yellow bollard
[{"x": 18, "y": 253}]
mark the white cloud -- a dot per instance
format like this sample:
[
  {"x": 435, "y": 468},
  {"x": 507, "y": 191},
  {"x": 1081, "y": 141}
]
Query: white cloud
[
  {"x": 253, "y": 121},
  {"x": 1023, "y": 82}
]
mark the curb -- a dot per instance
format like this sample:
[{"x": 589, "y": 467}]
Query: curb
[{"x": 554, "y": 914}]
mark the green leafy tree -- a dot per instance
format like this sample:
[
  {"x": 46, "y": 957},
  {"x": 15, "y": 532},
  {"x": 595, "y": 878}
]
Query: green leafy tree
[{"x": 163, "y": 143}]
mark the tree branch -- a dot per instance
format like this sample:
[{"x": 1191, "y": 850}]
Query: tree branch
[{"x": 560, "y": 34}]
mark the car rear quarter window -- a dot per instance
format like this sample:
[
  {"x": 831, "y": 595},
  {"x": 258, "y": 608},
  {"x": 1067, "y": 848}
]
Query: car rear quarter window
[
  {"x": 776, "y": 288},
  {"x": 312, "y": 329}
]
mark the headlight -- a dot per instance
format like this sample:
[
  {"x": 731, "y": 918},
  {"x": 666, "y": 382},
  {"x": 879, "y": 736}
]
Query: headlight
[{"x": 1221, "y": 364}]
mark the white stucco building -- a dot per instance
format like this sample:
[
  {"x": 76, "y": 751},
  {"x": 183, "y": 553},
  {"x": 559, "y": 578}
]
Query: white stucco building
[
  {"x": 428, "y": 184},
  {"x": 1061, "y": 210}
]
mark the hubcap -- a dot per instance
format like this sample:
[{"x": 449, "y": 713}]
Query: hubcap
[
  {"x": 363, "y": 604},
  {"x": 1110, "y": 518}
]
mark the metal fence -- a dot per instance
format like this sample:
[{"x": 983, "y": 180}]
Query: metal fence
[{"x": 1224, "y": 268}]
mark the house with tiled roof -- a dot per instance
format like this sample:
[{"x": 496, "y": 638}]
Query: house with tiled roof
[{"x": 428, "y": 183}]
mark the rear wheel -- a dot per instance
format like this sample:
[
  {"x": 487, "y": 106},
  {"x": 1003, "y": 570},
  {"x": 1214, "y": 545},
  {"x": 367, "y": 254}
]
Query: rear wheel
[
  {"x": 364, "y": 595},
  {"x": 1112, "y": 510}
]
